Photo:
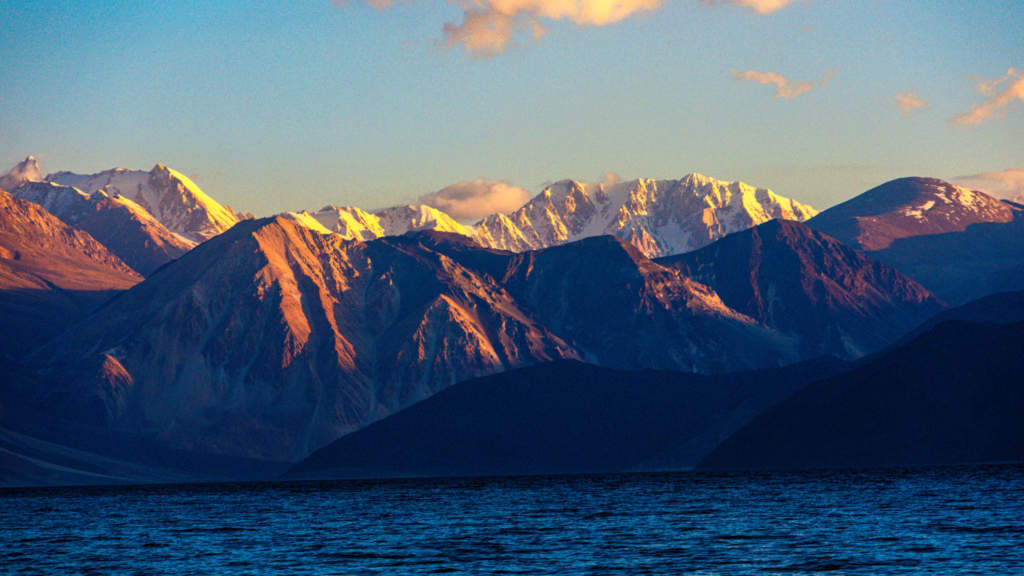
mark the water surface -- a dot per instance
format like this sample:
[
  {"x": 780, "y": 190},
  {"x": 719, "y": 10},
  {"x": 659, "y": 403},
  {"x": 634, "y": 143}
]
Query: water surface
[{"x": 962, "y": 520}]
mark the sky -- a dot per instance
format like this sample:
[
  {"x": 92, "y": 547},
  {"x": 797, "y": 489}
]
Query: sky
[{"x": 274, "y": 106}]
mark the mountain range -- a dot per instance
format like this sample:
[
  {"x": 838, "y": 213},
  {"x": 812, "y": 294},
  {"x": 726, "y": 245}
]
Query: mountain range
[
  {"x": 122, "y": 226},
  {"x": 169, "y": 196},
  {"x": 683, "y": 308},
  {"x": 950, "y": 394},
  {"x": 831, "y": 298},
  {"x": 659, "y": 217}
]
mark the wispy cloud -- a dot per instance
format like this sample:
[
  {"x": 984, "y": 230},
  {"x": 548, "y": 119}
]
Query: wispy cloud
[
  {"x": 477, "y": 199},
  {"x": 1008, "y": 184},
  {"x": 783, "y": 87},
  {"x": 997, "y": 100},
  {"x": 908, "y": 102},
  {"x": 24, "y": 171},
  {"x": 759, "y": 6}
]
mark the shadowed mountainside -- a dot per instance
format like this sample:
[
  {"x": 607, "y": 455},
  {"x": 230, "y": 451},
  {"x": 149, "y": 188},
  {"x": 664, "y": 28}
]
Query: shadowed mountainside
[
  {"x": 954, "y": 394},
  {"x": 833, "y": 299},
  {"x": 558, "y": 418},
  {"x": 51, "y": 275}
]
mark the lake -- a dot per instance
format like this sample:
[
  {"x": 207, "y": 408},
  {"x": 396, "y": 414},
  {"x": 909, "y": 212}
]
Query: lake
[{"x": 962, "y": 520}]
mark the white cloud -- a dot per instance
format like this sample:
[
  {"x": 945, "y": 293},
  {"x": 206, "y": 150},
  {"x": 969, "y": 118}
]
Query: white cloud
[
  {"x": 908, "y": 102},
  {"x": 783, "y": 87},
  {"x": 477, "y": 199},
  {"x": 759, "y": 6},
  {"x": 489, "y": 27},
  {"x": 997, "y": 101},
  {"x": 1008, "y": 184}
]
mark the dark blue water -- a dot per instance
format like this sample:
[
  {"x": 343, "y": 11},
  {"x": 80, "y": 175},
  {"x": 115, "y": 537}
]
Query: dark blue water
[{"x": 958, "y": 520}]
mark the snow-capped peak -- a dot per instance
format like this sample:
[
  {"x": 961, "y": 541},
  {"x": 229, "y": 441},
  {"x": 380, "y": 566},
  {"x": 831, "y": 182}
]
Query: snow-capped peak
[
  {"x": 660, "y": 217},
  {"x": 169, "y": 196},
  {"x": 355, "y": 224}
]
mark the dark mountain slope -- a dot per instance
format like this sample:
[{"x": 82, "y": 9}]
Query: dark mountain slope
[
  {"x": 833, "y": 299},
  {"x": 561, "y": 417},
  {"x": 952, "y": 395},
  {"x": 1000, "y": 308}
]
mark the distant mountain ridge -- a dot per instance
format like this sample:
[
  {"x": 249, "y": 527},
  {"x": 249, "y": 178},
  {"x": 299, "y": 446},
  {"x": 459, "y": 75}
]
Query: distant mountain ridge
[
  {"x": 659, "y": 217},
  {"x": 944, "y": 236},
  {"x": 355, "y": 224}
]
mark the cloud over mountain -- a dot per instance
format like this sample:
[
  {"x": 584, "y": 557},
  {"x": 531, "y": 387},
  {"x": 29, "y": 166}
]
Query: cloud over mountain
[
  {"x": 1008, "y": 184},
  {"x": 783, "y": 87},
  {"x": 25, "y": 171},
  {"x": 997, "y": 100},
  {"x": 477, "y": 199}
]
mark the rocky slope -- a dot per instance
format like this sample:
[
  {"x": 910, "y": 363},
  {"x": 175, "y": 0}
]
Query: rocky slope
[
  {"x": 797, "y": 281},
  {"x": 620, "y": 308},
  {"x": 170, "y": 197},
  {"x": 271, "y": 340},
  {"x": 116, "y": 222},
  {"x": 50, "y": 275},
  {"x": 939, "y": 234}
]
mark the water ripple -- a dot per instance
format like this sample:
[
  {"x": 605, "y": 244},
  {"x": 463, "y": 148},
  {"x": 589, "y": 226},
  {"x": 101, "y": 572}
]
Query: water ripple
[{"x": 964, "y": 520}]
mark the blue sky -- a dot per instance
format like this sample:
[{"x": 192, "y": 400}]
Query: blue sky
[{"x": 277, "y": 106}]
